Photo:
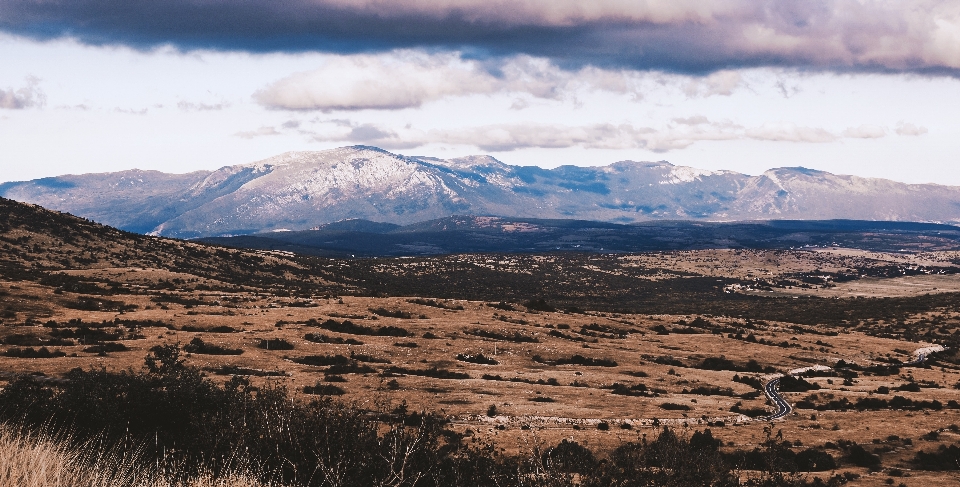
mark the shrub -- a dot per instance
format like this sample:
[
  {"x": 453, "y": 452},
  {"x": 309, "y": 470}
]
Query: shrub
[
  {"x": 789, "y": 383},
  {"x": 433, "y": 372},
  {"x": 624, "y": 390},
  {"x": 324, "y": 390},
  {"x": 516, "y": 337},
  {"x": 815, "y": 460},
  {"x": 274, "y": 344},
  {"x": 671, "y": 406},
  {"x": 42, "y": 352},
  {"x": 944, "y": 458},
  {"x": 570, "y": 456},
  {"x": 197, "y": 345},
  {"x": 542, "y": 399},
  {"x": 106, "y": 348},
  {"x": 860, "y": 457},
  {"x": 539, "y": 305},
  {"x": 318, "y": 338},
  {"x": 354, "y": 329},
  {"x": 391, "y": 313},
  {"x": 436, "y": 304},
  {"x": 577, "y": 360},
  {"x": 476, "y": 359}
]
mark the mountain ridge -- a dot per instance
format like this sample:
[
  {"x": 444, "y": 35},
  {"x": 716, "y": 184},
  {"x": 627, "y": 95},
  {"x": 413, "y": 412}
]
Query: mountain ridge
[{"x": 307, "y": 189}]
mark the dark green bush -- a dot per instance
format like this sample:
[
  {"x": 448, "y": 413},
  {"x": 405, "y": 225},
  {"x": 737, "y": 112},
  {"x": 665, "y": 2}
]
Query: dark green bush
[{"x": 197, "y": 345}]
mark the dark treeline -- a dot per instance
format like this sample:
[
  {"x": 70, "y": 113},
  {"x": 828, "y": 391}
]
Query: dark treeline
[{"x": 176, "y": 416}]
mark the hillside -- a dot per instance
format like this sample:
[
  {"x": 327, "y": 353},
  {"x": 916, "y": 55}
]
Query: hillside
[
  {"x": 304, "y": 190},
  {"x": 504, "y": 350}
]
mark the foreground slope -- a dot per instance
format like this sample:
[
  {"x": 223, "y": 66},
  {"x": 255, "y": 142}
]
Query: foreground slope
[
  {"x": 303, "y": 190},
  {"x": 593, "y": 348}
]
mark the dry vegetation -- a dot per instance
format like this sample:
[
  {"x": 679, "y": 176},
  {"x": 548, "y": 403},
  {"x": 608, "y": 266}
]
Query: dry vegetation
[{"x": 518, "y": 352}]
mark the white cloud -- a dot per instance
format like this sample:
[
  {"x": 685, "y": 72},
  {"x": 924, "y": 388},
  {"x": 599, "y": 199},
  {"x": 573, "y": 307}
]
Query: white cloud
[
  {"x": 28, "y": 96},
  {"x": 260, "y": 132},
  {"x": 385, "y": 82},
  {"x": 201, "y": 107},
  {"x": 682, "y": 133},
  {"x": 909, "y": 129},
  {"x": 694, "y": 120},
  {"x": 865, "y": 132},
  {"x": 719, "y": 83},
  {"x": 132, "y": 111},
  {"x": 786, "y": 132},
  {"x": 409, "y": 79}
]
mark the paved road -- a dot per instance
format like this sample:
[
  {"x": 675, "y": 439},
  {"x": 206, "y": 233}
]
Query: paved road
[
  {"x": 772, "y": 389},
  {"x": 783, "y": 407}
]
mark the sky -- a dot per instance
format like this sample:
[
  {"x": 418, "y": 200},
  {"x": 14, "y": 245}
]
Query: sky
[{"x": 870, "y": 88}]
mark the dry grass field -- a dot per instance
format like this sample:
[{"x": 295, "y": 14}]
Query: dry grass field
[{"x": 565, "y": 361}]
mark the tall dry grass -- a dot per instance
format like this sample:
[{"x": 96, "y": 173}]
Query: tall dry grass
[{"x": 30, "y": 460}]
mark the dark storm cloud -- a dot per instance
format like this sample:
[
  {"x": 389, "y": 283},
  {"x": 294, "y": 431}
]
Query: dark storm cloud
[{"x": 673, "y": 35}]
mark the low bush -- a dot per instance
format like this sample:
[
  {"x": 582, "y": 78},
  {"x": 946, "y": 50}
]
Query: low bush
[
  {"x": 577, "y": 360},
  {"x": 237, "y": 370},
  {"x": 391, "y": 313},
  {"x": 436, "y": 304},
  {"x": 539, "y": 305},
  {"x": 432, "y": 372},
  {"x": 324, "y": 390},
  {"x": 625, "y": 390},
  {"x": 944, "y": 458},
  {"x": 542, "y": 399},
  {"x": 318, "y": 338},
  {"x": 197, "y": 345},
  {"x": 274, "y": 344},
  {"x": 351, "y": 328},
  {"x": 516, "y": 337},
  {"x": 476, "y": 359},
  {"x": 42, "y": 352},
  {"x": 107, "y": 348}
]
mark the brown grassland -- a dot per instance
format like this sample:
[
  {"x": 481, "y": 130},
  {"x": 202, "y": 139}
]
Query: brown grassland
[{"x": 515, "y": 351}]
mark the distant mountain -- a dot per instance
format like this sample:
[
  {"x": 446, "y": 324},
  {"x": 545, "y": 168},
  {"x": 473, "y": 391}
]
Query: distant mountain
[
  {"x": 467, "y": 234},
  {"x": 306, "y": 190}
]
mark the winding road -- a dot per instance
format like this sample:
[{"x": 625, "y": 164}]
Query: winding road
[
  {"x": 772, "y": 388},
  {"x": 773, "y": 394}
]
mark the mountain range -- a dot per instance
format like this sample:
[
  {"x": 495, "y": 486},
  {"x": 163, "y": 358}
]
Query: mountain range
[{"x": 306, "y": 190}]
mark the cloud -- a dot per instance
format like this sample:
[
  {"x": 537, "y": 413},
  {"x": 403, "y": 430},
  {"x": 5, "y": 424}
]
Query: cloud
[
  {"x": 865, "y": 132},
  {"x": 719, "y": 83},
  {"x": 260, "y": 132},
  {"x": 378, "y": 82},
  {"x": 687, "y": 36},
  {"x": 790, "y": 133},
  {"x": 910, "y": 129},
  {"x": 28, "y": 96},
  {"x": 694, "y": 120},
  {"x": 680, "y": 134},
  {"x": 200, "y": 107},
  {"x": 132, "y": 111},
  {"x": 408, "y": 79}
]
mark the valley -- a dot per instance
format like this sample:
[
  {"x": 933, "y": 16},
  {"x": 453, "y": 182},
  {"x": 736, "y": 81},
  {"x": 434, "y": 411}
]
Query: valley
[{"x": 519, "y": 350}]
